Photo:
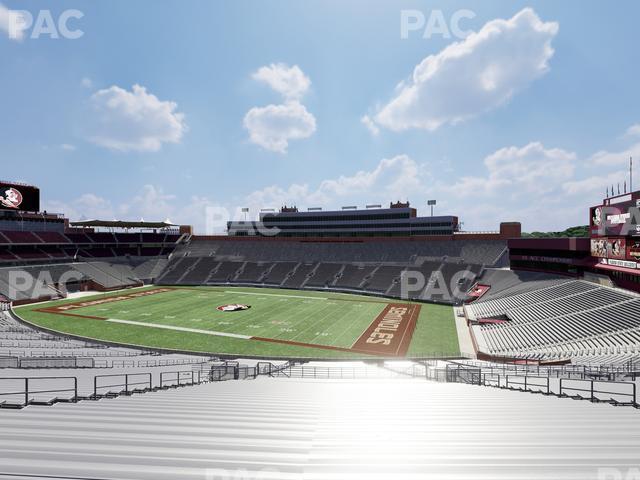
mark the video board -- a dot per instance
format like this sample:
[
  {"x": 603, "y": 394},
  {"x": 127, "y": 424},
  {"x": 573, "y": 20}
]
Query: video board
[
  {"x": 19, "y": 197},
  {"x": 621, "y": 217}
]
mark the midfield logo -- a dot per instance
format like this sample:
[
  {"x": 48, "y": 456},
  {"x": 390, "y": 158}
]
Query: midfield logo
[{"x": 234, "y": 307}]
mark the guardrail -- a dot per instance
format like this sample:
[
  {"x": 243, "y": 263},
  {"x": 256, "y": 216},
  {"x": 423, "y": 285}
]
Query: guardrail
[
  {"x": 129, "y": 383},
  {"x": 346, "y": 373},
  {"x": 626, "y": 394},
  {"x": 491, "y": 379},
  {"x": 179, "y": 379},
  {"x": 533, "y": 384},
  {"x": 616, "y": 393},
  {"x": 31, "y": 391},
  {"x": 18, "y": 392}
]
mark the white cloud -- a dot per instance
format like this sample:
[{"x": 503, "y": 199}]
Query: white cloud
[
  {"x": 151, "y": 203},
  {"x": 395, "y": 178},
  {"x": 68, "y": 147},
  {"x": 537, "y": 185},
  {"x": 370, "y": 124},
  {"x": 134, "y": 120},
  {"x": 633, "y": 130},
  {"x": 519, "y": 170},
  {"x": 472, "y": 76},
  {"x": 87, "y": 206},
  {"x": 605, "y": 158},
  {"x": 525, "y": 183},
  {"x": 5, "y": 23},
  {"x": 86, "y": 82},
  {"x": 595, "y": 185},
  {"x": 273, "y": 126},
  {"x": 290, "y": 82}
]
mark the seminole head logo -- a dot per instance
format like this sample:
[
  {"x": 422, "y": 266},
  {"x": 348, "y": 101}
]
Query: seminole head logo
[
  {"x": 234, "y": 307},
  {"x": 11, "y": 198},
  {"x": 597, "y": 217}
]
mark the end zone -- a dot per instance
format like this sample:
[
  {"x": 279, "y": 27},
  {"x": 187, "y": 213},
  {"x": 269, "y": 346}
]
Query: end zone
[{"x": 390, "y": 333}]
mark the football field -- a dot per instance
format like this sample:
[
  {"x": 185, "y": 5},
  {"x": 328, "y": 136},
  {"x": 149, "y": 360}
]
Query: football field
[{"x": 254, "y": 322}]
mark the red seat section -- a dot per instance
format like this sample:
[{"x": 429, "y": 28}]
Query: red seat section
[
  {"x": 52, "y": 237},
  {"x": 22, "y": 237}
]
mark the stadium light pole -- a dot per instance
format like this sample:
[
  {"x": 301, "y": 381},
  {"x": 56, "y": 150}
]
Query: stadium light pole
[{"x": 431, "y": 204}]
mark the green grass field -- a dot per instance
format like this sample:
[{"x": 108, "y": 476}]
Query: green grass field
[{"x": 280, "y": 323}]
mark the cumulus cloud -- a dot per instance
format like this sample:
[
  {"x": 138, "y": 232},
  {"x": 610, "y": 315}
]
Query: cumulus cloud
[
  {"x": 525, "y": 183},
  {"x": 633, "y": 130},
  {"x": 532, "y": 168},
  {"x": 370, "y": 124},
  {"x": 273, "y": 126},
  {"x": 540, "y": 186},
  {"x": 392, "y": 178},
  {"x": 134, "y": 120},
  {"x": 596, "y": 184},
  {"x": 87, "y": 206},
  {"x": 472, "y": 76},
  {"x": 605, "y": 158},
  {"x": 290, "y": 82},
  {"x": 151, "y": 202}
]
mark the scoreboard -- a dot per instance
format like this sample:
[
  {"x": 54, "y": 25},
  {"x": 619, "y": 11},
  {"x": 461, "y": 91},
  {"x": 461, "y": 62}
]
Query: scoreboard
[
  {"x": 615, "y": 231},
  {"x": 619, "y": 216},
  {"x": 18, "y": 197}
]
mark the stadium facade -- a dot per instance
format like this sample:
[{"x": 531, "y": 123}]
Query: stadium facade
[{"x": 397, "y": 220}]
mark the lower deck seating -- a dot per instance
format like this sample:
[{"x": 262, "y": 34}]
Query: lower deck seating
[{"x": 558, "y": 319}]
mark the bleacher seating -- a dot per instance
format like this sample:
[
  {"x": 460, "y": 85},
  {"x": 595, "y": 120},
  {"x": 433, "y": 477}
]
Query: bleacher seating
[
  {"x": 252, "y": 272},
  {"x": 22, "y": 346},
  {"x": 317, "y": 429},
  {"x": 300, "y": 275},
  {"x": 225, "y": 272},
  {"x": 556, "y": 318},
  {"x": 352, "y": 276},
  {"x": 21, "y": 237},
  {"x": 470, "y": 251},
  {"x": 366, "y": 266},
  {"x": 325, "y": 274},
  {"x": 278, "y": 272},
  {"x": 52, "y": 237}
]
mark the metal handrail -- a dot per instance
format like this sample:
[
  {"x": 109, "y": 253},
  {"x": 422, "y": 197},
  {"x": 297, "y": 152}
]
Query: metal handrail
[
  {"x": 527, "y": 383},
  {"x": 126, "y": 383},
  {"x": 190, "y": 374},
  {"x": 28, "y": 392},
  {"x": 593, "y": 391}
]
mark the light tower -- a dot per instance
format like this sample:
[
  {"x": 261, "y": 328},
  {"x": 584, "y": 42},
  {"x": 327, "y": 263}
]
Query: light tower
[{"x": 431, "y": 204}]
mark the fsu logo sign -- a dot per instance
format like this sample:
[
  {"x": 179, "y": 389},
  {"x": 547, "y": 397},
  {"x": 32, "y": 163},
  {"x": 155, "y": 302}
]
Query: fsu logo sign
[
  {"x": 234, "y": 307},
  {"x": 11, "y": 198}
]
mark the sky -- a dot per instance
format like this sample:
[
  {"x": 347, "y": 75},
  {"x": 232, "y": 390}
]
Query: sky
[{"x": 191, "y": 110}]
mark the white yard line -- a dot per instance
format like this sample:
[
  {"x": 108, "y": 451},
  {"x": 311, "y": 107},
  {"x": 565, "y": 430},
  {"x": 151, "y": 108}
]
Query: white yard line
[
  {"x": 179, "y": 329},
  {"x": 274, "y": 295}
]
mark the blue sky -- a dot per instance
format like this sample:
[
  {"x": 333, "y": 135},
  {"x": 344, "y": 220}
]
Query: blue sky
[{"x": 165, "y": 109}]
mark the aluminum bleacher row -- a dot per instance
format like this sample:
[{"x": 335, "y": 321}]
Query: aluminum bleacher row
[
  {"x": 24, "y": 246},
  {"x": 556, "y": 318},
  {"x": 281, "y": 428},
  {"x": 485, "y": 252},
  {"x": 24, "y": 347},
  {"x": 52, "y": 281},
  {"x": 369, "y": 267}
]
